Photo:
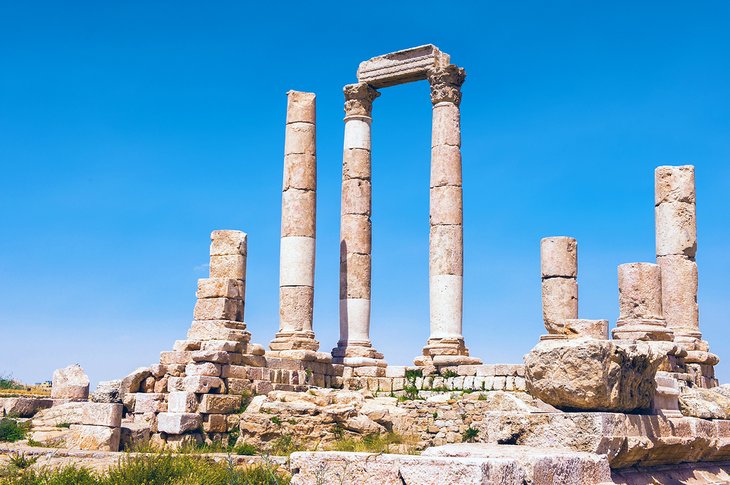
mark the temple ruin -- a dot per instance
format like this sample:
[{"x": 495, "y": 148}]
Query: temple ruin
[{"x": 636, "y": 397}]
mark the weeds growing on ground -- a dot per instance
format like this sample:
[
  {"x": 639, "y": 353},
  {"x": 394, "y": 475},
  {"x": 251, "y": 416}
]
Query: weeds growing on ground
[{"x": 11, "y": 430}]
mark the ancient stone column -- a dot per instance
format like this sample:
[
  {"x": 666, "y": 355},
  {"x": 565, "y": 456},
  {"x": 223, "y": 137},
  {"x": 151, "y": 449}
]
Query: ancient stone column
[
  {"x": 356, "y": 232},
  {"x": 559, "y": 268},
  {"x": 676, "y": 247},
  {"x": 298, "y": 217},
  {"x": 446, "y": 248},
  {"x": 640, "y": 303}
]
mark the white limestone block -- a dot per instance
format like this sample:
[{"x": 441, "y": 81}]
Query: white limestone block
[
  {"x": 674, "y": 184},
  {"x": 355, "y": 320},
  {"x": 679, "y": 291},
  {"x": 357, "y": 133},
  {"x": 559, "y": 302},
  {"x": 639, "y": 292},
  {"x": 676, "y": 229},
  {"x": 446, "y": 250},
  {"x": 559, "y": 257},
  {"x": 296, "y": 263},
  {"x": 182, "y": 402},
  {"x": 102, "y": 414},
  {"x": 300, "y": 138},
  {"x": 446, "y": 300},
  {"x": 178, "y": 423}
]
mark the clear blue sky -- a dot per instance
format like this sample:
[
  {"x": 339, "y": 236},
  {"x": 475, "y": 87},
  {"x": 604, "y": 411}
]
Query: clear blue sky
[{"x": 129, "y": 131}]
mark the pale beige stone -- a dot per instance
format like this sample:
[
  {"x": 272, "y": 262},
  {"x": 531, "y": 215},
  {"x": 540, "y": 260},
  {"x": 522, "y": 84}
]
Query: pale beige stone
[
  {"x": 446, "y": 250},
  {"x": 446, "y": 205},
  {"x": 559, "y": 257},
  {"x": 595, "y": 375},
  {"x": 296, "y": 304},
  {"x": 214, "y": 356},
  {"x": 640, "y": 292},
  {"x": 70, "y": 383},
  {"x": 676, "y": 229},
  {"x": 674, "y": 184},
  {"x": 297, "y": 258},
  {"x": 355, "y": 277},
  {"x": 300, "y": 138},
  {"x": 149, "y": 402},
  {"x": 301, "y": 107},
  {"x": 679, "y": 292},
  {"x": 101, "y": 414},
  {"x": 357, "y": 133},
  {"x": 355, "y": 234},
  {"x": 446, "y": 125},
  {"x": 401, "y": 67},
  {"x": 300, "y": 171},
  {"x": 221, "y": 288},
  {"x": 107, "y": 392},
  {"x": 182, "y": 402},
  {"x": 218, "y": 330},
  {"x": 203, "y": 369},
  {"x": 218, "y": 309},
  {"x": 178, "y": 423},
  {"x": 215, "y": 423},
  {"x": 232, "y": 266},
  {"x": 222, "y": 346},
  {"x": 445, "y": 302},
  {"x": 445, "y": 165},
  {"x": 559, "y": 302},
  {"x": 196, "y": 384},
  {"x": 355, "y": 320},
  {"x": 356, "y": 196},
  {"x": 227, "y": 242},
  {"x": 704, "y": 403},
  {"x": 356, "y": 163},
  {"x": 582, "y": 327},
  {"x": 219, "y": 404},
  {"x": 93, "y": 438},
  {"x": 171, "y": 357},
  {"x": 298, "y": 213}
]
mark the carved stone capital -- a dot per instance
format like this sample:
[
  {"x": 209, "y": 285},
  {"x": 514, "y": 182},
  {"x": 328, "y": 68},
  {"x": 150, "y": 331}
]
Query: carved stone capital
[
  {"x": 359, "y": 99},
  {"x": 446, "y": 84}
]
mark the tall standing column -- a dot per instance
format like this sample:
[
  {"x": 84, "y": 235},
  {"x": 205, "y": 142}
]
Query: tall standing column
[
  {"x": 676, "y": 247},
  {"x": 446, "y": 248},
  {"x": 298, "y": 218},
  {"x": 559, "y": 270},
  {"x": 354, "y": 346}
]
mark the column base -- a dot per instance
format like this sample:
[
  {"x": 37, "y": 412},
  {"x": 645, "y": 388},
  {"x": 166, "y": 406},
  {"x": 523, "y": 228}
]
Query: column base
[
  {"x": 645, "y": 329},
  {"x": 301, "y": 355},
  {"x": 294, "y": 340},
  {"x": 357, "y": 354},
  {"x": 442, "y": 352}
]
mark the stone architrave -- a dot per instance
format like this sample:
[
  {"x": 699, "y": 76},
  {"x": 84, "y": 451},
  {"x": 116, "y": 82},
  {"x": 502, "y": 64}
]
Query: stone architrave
[
  {"x": 559, "y": 269},
  {"x": 640, "y": 304},
  {"x": 354, "y": 347},
  {"x": 676, "y": 247},
  {"x": 445, "y": 345},
  {"x": 298, "y": 221}
]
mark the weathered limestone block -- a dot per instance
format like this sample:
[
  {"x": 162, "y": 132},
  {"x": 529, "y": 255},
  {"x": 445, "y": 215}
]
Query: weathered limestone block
[
  {"x": 356, "y": 163},
  {"x": 203, "y": 369},
  {"x": 300, "y": 207},
  {"x": 151, "y": 402},
  {"x": 228, "y": 266},
  {"x": 299, "y": 171},
  {"x": 300, "y": 138},
  {"x": 107, "y": 392},
  {"x": 445, "y": 165},
  {"x": 640, "y": 292},
  {"x": 67, "y": 413},
  {"x": 219, "y": 404},
  {"x": 559, "y": 303},
  {"x": 401, "y": 67},
  {"x": 559, "y": 257},
  {"x": 301, "y": 107},
  {"x": 227, "y": 242},
  {"x": 196, "y": 384},
  {"x": 178, "y": 423},
  {"x": 355, "y": 233},
  {"x": 218, "y": 309},
  {"x": 133, "y": 434},
  {"x": 704, "y": 403},
  {"x": 676, "y": 229},
  {"x": 214, "y": 356},
  {"x": 182, "y": 402},
  {"x": 220, "y": 288},
  {"x": 93, "y": 438},
  {"x": 446, "y": 205},
  {"x": 674, "y": 184},
  {"x": 355, "y": 282},
  {"x": 595, "y": 375},
  {"x": 221, "y": 346},
  {"x": 215, "y": 423},
  {"x": 70, "y": 383},
  {"x": 446, "y": 125},
  {"x": 679, "y": 291},
  {"x": 581, "y": 327},
  {"x": 170, "y": 358},
  {"x": 356, "y": 196},
  {"x": 357, "y": 134},
  {"x": 23, "y": 407},
  {"x": 447, "y": 257},
  {"x": 101, "y": 414},
  {"x": 296, "y": 305},
  {"x": 218, "y": 330}
]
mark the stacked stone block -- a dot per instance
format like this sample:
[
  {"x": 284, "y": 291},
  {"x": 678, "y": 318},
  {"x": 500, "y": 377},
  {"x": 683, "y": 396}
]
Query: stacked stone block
[
  {"x": 676, "y": 248},
  {"x": 298, "y": 221},
  {"x": 640, "y": 304}
]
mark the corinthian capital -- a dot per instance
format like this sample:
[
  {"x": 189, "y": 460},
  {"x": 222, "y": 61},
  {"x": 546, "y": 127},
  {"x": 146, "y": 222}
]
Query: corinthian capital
[
  {"x": 446, "y": 83},
  {"x": 359, "y": 99}
]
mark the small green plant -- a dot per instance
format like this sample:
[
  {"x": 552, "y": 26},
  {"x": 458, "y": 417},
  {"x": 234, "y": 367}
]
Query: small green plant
[
  {"x": 371, "y": 443},
  {"x": 410, "y": 392},
  {"x": 246, "y": 397},
  {"x": 482, "y": 397},
  {"x": 413, "y": 374},
  {"x": 284, "y": 445},
  {"x": 338, "y": 431},
  {"x": 21, "y": 462},
  {"x": 435, "y": 415},
  {"x": 308, "y": 373},
  {"x": 276, "y": 420},
  {"x": 246, "y": 449},
  {"x": 7, "y": 382},
  {"x": 11, "y": 430},
  {"x": 63, "y": 425},
  {"x": 469, "y": 435},
  {"x": 448, "y": 373}
]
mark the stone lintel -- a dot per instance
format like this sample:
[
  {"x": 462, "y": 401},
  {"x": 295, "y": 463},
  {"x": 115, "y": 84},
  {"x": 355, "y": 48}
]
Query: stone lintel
[{"x": 401, "y": 67}]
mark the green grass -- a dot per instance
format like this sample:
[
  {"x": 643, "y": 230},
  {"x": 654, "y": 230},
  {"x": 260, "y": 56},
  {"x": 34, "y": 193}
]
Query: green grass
[
  {"x": 469, "y": 435},
  {"x": 7, "y": 382},
  {"x": 11, "y": 430},
  {"x": 449, "y": 373},
  {"x": 372, "y": 443},
  {"x": 160, "y": 469}
]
